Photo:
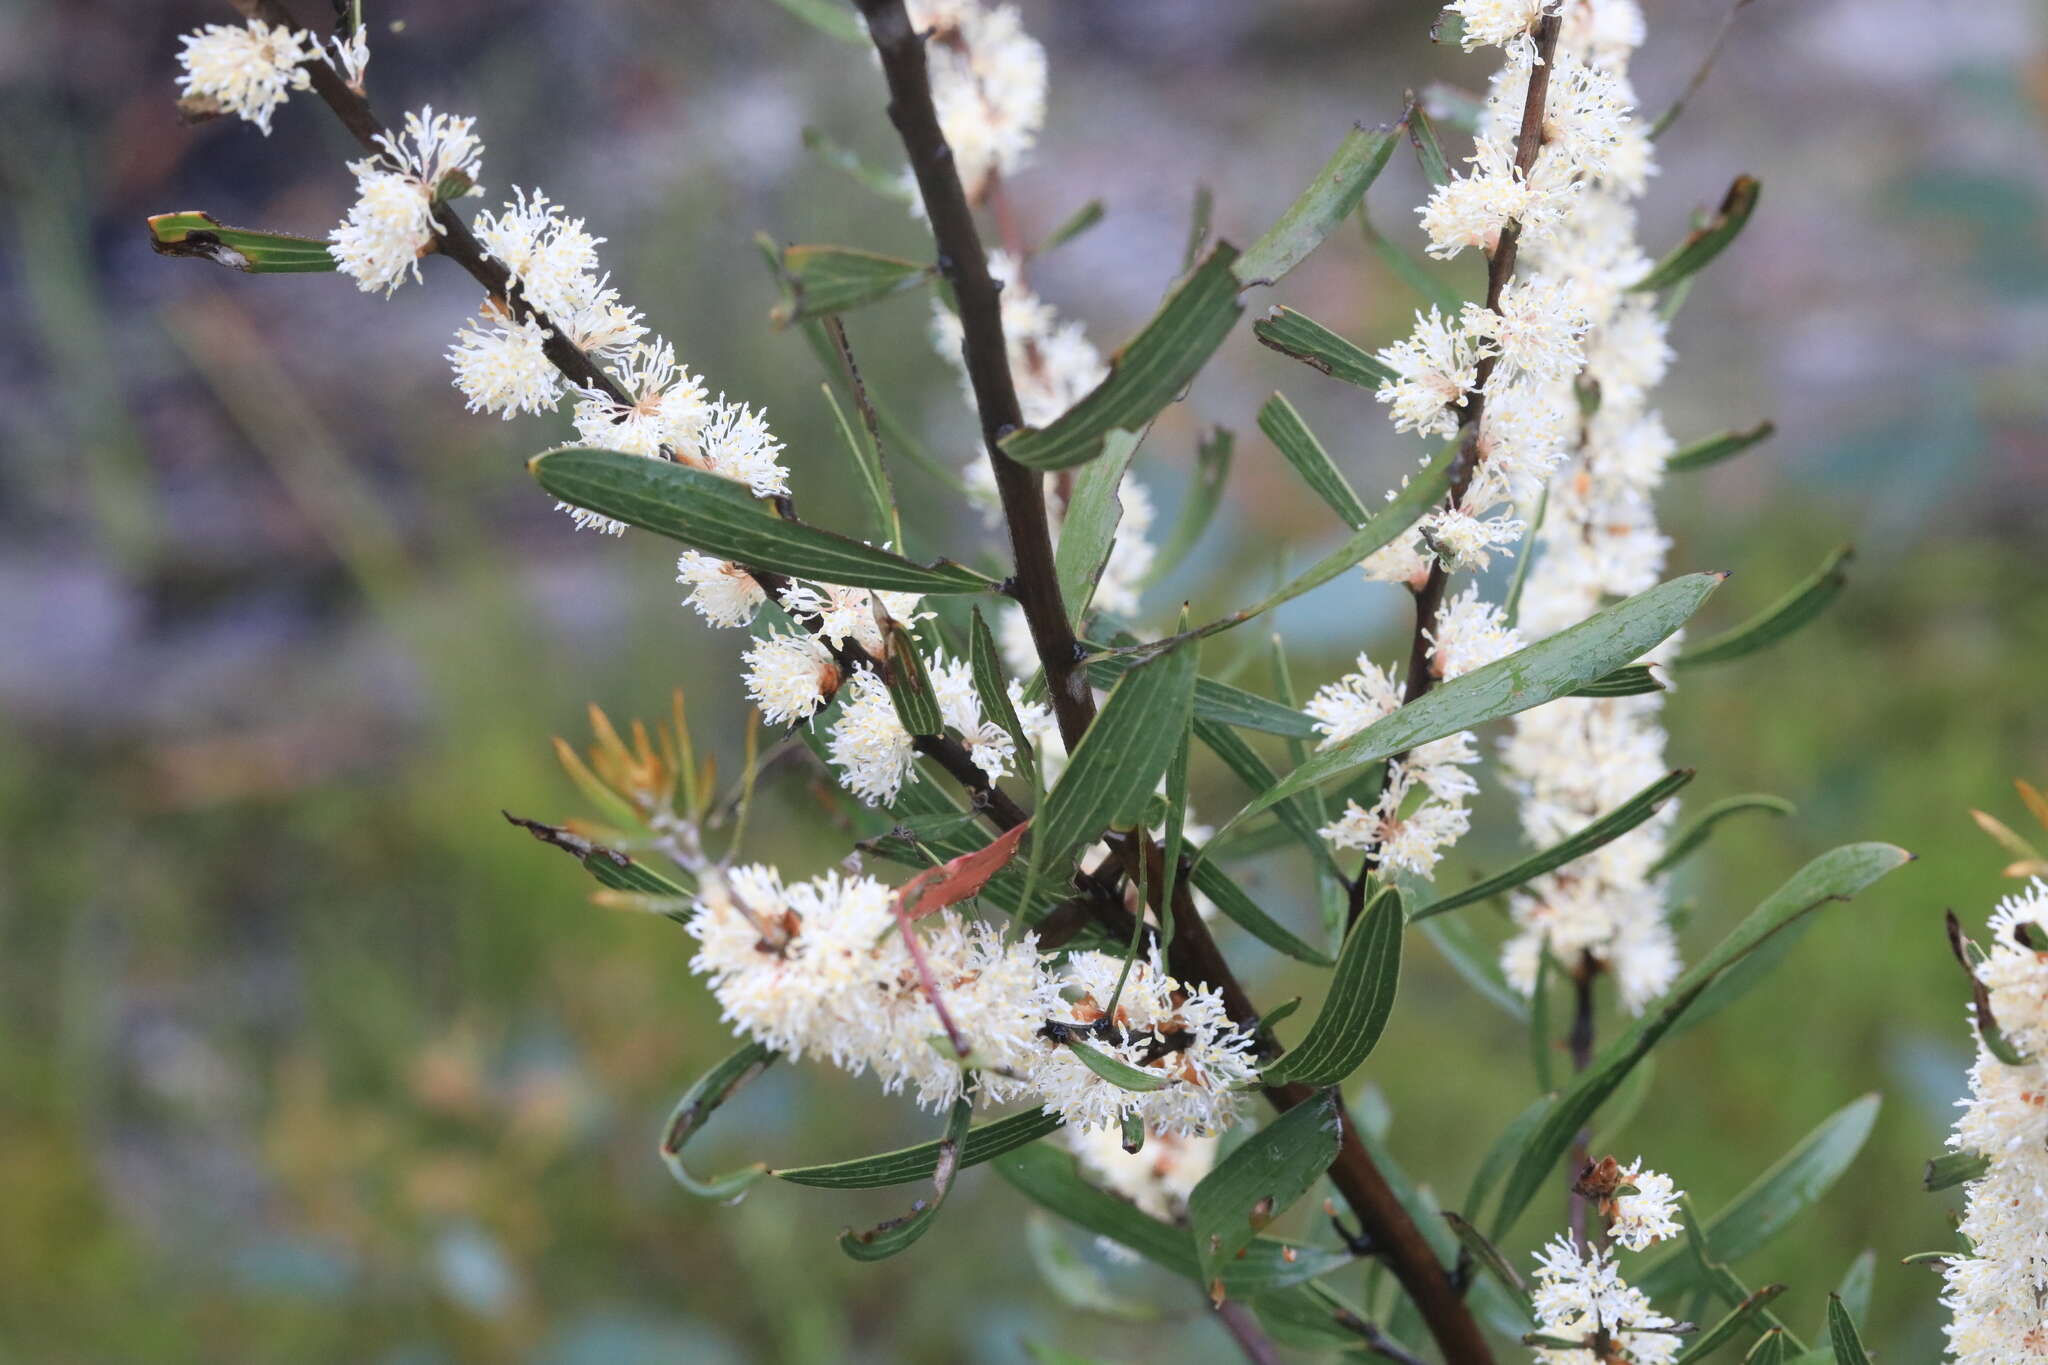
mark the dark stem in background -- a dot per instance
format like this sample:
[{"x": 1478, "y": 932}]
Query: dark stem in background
[
  {"x": 1244, "y": 1329},
  {"x": 1580, "y": 1040},
  {"x": 1500, "y": 268},
  {"x": 964, "y": 263}
]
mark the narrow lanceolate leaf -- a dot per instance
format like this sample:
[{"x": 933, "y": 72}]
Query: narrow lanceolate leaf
[
  {"x": 1361, "y": 997},
  {"x": 1298, "y": 335},
  {"x": 889, "y": 184},
  {"x": 1529, "y": 677},
  {"x": 1119, "y": 1074},
  {"x": 1089, "y": 528},
  {"x": 1118, "y": 762},
  {"x": 1778, "y": 620},
  {"x": 1771, "y": 1348},
  {"x": 1605, "y": 830},
  {"x": 1408, "y": 270},
  {"x": 1954, "y": 1168},
  {"x": 1240, "y": 909},
  {"x": 984, "y": 1142},
  {"x": 1282, "y": 423},
  {"x": 1049, "y": 1178},
  {"x": 1488, "y": 1255},
  {"x": 722, "y": 518},
  {"x": 884, "y": 1240},
  {"x": 1428, "y": 151},
  {"x": 1424, "y": 489},
  {"x": 611, "y": 867},
  {"x": 1261, "y": 1180},
  {"x": 1327, "y": 201},
  {"x": 1695, "y": 833},
  {"x": 695, "y": 1109},
  {"x": 1077, "y": 222},
  {"x": 255, "y": 253},
  {"x": 991, "y": 686},
  {"x": 1857, "y": 1282},
  {"x": 832, "y": 279},
  {"x": 1633, "y": 681},
  {"x": 1715, "y": 449},
  {"x": 1703, "y": 244},
  {"x": 834, "y": 21},
  {"x": 1774, "y": 1199},
  {"x": 1722, "y": 1283},
  {"x": 1477, "y": 962},
  {"x": 1173, "y": 837},
  {"x": 1842, "y": 1334},
  {"x": 867, "y": 462},
  {"x": 1147, "y": 374},
  {"x": 1835, "y": 875},
  {"x": 1502, "y": 1155},
  {"x": 1726, "y": 1330},
  {"x": 1198, "y": 508},
  {"x": 917, "y": 705},
  {"x": 1215, "y": 701}
]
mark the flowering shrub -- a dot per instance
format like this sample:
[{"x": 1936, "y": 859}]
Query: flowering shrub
[{"x": 1018, "y": 734}]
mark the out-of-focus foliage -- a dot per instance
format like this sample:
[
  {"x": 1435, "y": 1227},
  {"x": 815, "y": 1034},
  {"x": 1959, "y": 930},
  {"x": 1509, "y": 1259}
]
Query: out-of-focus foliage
[{"x": 308, "y": 1056}]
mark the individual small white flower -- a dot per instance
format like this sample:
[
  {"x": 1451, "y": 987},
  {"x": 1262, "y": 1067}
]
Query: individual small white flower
[
  {"x": 391, "y": 224},
  {"x": 1465, "y": 541},
  {"x": 500, "y": 365},
  {"x": 734, "y": 441},
  {"x": 1499, "y": 23},
  {"x": 723, "y": 594},
  {"x": 789, "y": 676},
  {"x": 1437, "y": 366},
  {"x": 1577, "y": 1295},
  {"x": 1468, "y": 634},
  {"x": 548, "y": 253},
  {"x": 1536, "y": 332},
  {"x": 874, "y": 754},
  {"x": 666, "y": 407},
  {"x": 1650, "y": 1215},
  {"x": 1342, "y": 708},
  {"x": 246, "y": 71},
  {"x": 350, "y": 56},
  {"x": 1410, "y": 836}
]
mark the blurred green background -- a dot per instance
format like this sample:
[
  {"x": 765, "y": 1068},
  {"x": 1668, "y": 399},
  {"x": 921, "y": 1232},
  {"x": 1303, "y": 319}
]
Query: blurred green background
[{"x": 306, "y": 1055}]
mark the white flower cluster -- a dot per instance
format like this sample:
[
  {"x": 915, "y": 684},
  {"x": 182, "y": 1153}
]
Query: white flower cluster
[
  {"x": 1421, "y": 809},
  {"x": 1998, "y": 1293},
  {"x": 1576, "y": 759},
  {"x": 988, "y": 85},
  {"x": 820, "y": 967},
  {"x": 1580, "y": 1295},
  {"x": 391, "y": 224},
  {"x": 246, "y": 71},
  {"x": 1648, "y": 1213},
  {"x": 873, "y": 751}
]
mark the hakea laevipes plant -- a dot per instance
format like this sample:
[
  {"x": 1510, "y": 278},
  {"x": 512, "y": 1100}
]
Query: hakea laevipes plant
[{"x": 1019, "y": 737}]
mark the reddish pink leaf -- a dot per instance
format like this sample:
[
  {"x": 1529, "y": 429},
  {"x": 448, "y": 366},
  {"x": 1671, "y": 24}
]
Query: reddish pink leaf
[{"x": 933, "y": 890}]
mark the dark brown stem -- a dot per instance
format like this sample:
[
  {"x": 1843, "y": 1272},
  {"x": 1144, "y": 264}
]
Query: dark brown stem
[
  {"x": 964, "y": 263},
  {"x": 1580, "y": 1041},
  {"x": 1244, "y": 1330}
]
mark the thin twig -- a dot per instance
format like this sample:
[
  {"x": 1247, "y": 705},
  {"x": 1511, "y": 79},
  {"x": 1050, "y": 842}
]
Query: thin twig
[
  {"x": 1580, "y": 1041},
  {"x": 1237, "y": 1320},
  {"x": 1699, "y": 77}
]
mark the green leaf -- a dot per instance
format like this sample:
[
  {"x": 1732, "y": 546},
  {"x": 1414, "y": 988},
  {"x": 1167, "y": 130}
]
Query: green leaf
[
  {"x": 1073, "y": 1281},
  {"x": 991, "y": 687},
  {"x": 1722, "y": 1283},
  {"x": 1428, "y": 151},
  {"x": 256, "y": 253},
  {"x": 1726, "y": 1330},
  {"x": 1240, "y": 909},
  {"x": 1695, "y": 833},
  {"x": 1529, "y": 677},
  {"x": 1198, "y": 508},
  {"x": 1542, "y": 1046},
  {"x": 611, "y": 867},
  {"x": 874, "y": 479},
  {"x": 1049, "y": 1178},
  {"x": 1147, "y": 374},
  {"x": 887, "y": 1239},
  {"x": 1361, "y": 997},
  {"x": 1422, "y": 491},
  {"x": 829, "y": 19},
  {"x": 1774, "y": 1199},
  {"x": 1704, "y": 243},
  {"x": 1633, "y": 681},
  {"x": 1173, "y": 835},
  {"x": 1780, "y": 619},
  {"x": 695, "y": 1109},
  {"x": 1252, "y": 770},
  {"x": 1215, "y": 701},
  {"x": 1410, "y": 271},
  {"x": 1771, "y": 1349},
  {"x": 1715, "y": 449},
  {"x": 1857, "y": 1282},
  {"x": 1488, "y": 1256},
  {"x": 1262, "y": 1179},
  {"x": 720, "y": 517},
  {"x": 1329, "y": 198},
  {"x": 832, "y": 279},
  {"x": 1842, "y": 1334},
  {"x": 1834, "y": 875},
  {"x": 889, "y": 184},
  {"x": 1117, "y": 764},
  {"x": 1119, "y": 1074},
  {"x": 1283, "y": 426},
  {"x": 1089, "y": 529},
  {"x": 1502, "y": 1154},
  {"x": 1601, "y": 832},
  {"x": 1077, "y": 222},
  {"x": 1476, "y": 962},
  {"x": 1626, "y": 1104},
  {"x": 1302, "y": 337},
  {"x": 1954, "y": 1168},
  {"x": 917, "y": 705},
  {"x": 984, "y": 1142}
]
